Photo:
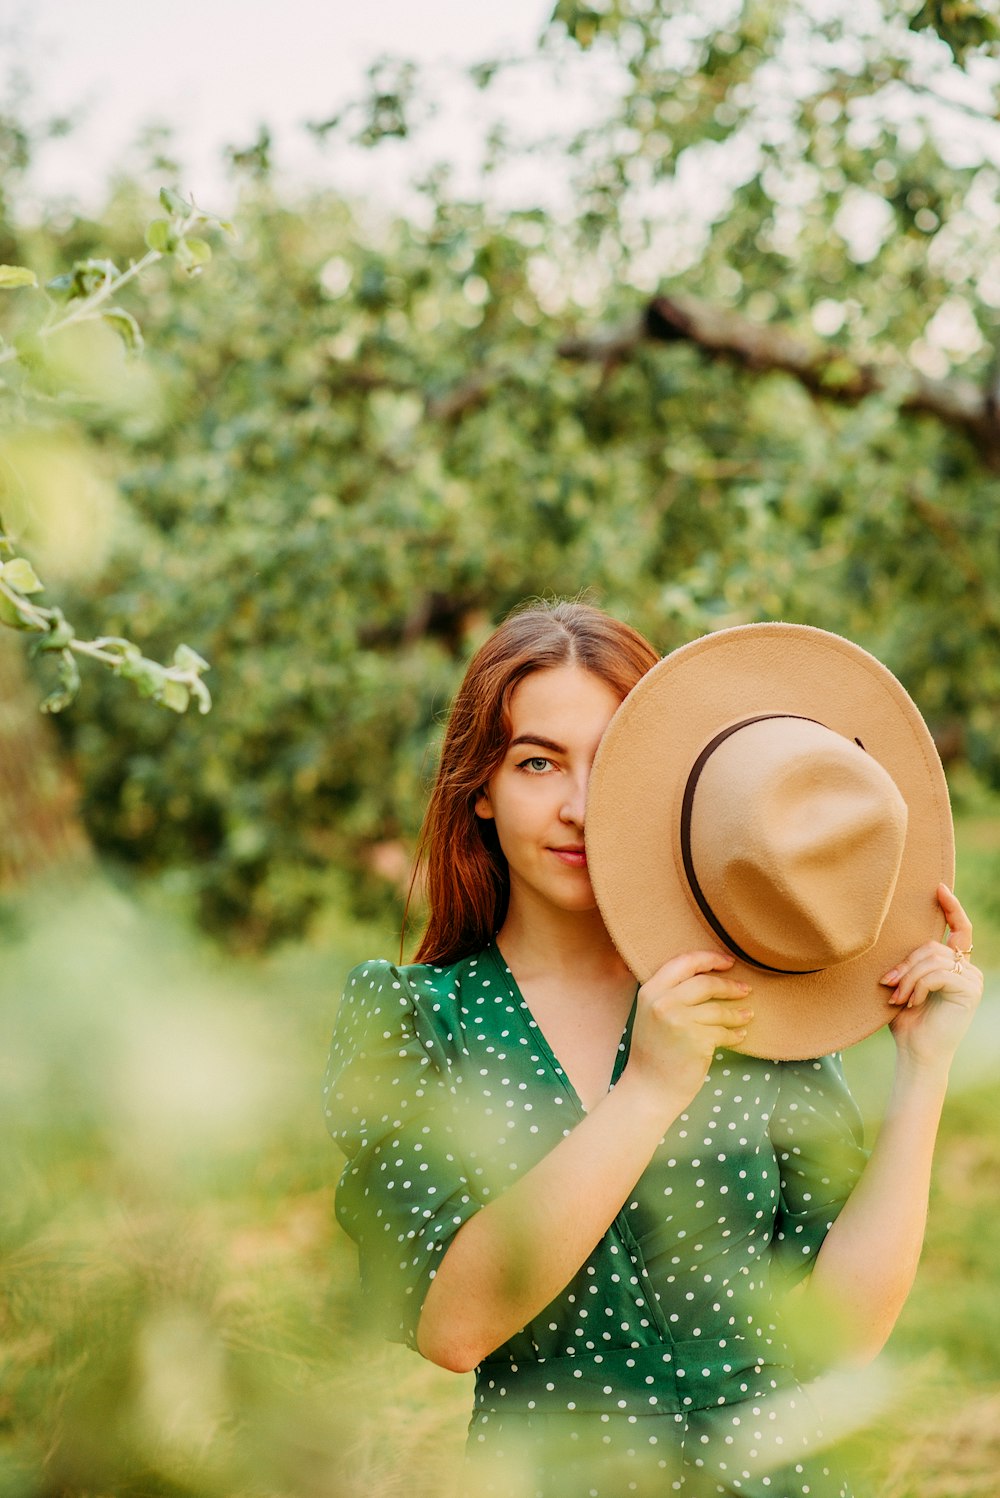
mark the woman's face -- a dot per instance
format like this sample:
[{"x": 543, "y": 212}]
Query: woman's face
[{"x": 536, "y": 798}]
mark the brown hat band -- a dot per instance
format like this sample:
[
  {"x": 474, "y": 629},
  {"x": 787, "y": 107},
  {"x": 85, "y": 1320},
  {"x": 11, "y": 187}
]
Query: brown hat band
[{"x": 686, "y": 805}]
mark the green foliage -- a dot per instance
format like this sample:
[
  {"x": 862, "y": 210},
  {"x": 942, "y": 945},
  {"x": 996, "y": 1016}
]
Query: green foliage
[
  {"x": 368, "y": 445},
  {"x": 45, "y": 367},
  {"x": 12, "y": 276},
  {"x": 178, "y": 1307},
  {"x": 180, "y": 1313}
]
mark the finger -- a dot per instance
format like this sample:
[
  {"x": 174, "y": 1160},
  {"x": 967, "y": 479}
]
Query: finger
[
  {"x": 931, "y": 975},
  {"x": 934, "y": 962},
  {"x": 959, "y": 924},
  {"x": 931, "y": 984},
  {"x": 703, "y": 988},
  {"x": 724, "y": 1014},
  {"x": 929, "y": 950},
  {"x": 686, "y": 965}
]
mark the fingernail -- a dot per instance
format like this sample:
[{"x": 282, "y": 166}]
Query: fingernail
[{"x": 890, "y": 976}]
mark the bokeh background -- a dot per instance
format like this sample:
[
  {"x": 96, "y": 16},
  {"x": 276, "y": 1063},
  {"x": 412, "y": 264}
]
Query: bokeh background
[{"x": 691, "y": 310}]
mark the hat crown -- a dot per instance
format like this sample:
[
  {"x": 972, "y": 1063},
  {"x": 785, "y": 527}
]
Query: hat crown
[{"x": 795, "y": 838}]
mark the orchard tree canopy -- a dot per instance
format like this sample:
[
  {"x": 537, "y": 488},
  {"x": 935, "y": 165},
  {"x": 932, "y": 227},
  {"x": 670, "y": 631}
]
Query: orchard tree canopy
[{"x": 741, "y": 366}]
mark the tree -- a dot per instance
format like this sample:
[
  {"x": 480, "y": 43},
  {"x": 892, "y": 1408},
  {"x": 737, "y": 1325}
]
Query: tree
[{"x": 374, "y": 440}]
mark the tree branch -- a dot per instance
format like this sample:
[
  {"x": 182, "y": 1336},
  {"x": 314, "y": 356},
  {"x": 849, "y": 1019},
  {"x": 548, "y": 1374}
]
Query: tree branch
[{"x": 828, "y": 372}]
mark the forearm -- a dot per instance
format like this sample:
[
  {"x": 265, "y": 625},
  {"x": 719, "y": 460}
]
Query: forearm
[
  {"x": 515, "y": 1255},
  {"x": 866, "y": 1266}
]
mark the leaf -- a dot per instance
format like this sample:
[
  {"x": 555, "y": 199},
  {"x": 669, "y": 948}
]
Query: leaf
[
  {"x": 20, "y": 574},
  {"x": 193, "y": 254},
  {"x": 200, "y": 249},
  {"x": 11, "y": 616},
  {"x": 174, "y": 204},
  {"x": 149, "y": 676},
  {"x": 92, "y": 275},
  {"x": 189, "y": 660},
  {"x": 175, "y": 695},
  {"x": 12, "y": 276},
  {"x": 69, "y": 685},
  {"x": 125, "y": 324},
  {"x": 160, "y": 236},
  {"x": 201, "y": 694}
]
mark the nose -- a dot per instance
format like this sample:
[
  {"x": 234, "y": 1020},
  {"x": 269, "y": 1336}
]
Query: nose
[{"x": 574, "y": 806}]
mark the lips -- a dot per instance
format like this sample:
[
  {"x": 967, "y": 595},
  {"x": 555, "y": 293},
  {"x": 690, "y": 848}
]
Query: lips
[{"x": 573, "y": 857}]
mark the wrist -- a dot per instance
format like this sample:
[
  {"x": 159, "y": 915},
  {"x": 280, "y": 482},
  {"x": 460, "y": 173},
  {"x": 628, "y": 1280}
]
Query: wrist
[
  {"x": 926, "y": 1078},
  {"x": 654, "y": 1101}
]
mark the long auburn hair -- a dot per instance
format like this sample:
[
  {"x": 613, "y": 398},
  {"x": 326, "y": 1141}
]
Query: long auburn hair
[{"x": 467, "y": 882}]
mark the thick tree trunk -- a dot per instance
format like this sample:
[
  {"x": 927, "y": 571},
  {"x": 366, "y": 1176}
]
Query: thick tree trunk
[{"x": 40, "y": 828}]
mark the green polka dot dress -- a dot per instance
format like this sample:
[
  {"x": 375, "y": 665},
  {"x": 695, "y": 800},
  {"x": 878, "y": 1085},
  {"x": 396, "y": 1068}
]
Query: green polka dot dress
[{"x": 660, "y": 1368}]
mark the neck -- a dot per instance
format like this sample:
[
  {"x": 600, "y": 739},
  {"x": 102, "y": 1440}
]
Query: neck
[{"x": 559, "y": 942}]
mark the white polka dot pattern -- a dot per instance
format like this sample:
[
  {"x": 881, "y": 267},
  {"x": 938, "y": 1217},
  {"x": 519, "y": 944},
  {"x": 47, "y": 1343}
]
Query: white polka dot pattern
[{"x": 441, "y": 1090}]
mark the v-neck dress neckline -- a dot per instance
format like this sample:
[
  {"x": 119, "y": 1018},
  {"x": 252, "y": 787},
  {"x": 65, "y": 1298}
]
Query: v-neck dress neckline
[{"x": 538, "y": 1036}]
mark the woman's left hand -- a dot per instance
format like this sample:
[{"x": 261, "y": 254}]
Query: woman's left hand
[{"x": 936, "y": 989}]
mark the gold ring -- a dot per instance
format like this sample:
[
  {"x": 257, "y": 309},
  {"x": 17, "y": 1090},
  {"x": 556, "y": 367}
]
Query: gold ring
[
  {"x": 964, "y": 951},
  {"x": 958, "y": 968}
]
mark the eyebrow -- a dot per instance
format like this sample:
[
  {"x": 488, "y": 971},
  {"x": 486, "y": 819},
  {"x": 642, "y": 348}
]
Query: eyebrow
[{"x": 539, "y": 740}]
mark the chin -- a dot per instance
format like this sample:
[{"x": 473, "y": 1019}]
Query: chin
[{"x": 580, "y": 906}]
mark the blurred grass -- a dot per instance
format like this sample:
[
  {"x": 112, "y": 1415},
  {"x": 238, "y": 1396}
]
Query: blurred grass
[{"x": 178, "y": 1314}]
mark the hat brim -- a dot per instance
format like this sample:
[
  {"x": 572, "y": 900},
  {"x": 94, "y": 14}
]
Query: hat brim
[{"x": 634, "y": 802}]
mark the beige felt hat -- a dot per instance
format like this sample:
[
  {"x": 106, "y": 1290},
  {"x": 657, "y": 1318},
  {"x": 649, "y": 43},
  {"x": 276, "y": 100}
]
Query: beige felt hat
[{"x": 772, "y": 790}]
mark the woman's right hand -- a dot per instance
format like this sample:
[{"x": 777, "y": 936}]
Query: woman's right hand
[{"x": 684, "y": 1013}]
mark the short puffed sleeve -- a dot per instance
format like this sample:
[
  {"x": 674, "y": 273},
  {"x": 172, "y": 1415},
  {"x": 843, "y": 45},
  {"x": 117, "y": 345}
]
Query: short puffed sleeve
[
  {"x": 818, "y": 1137},
  {"x": 390, "y": 1103}
]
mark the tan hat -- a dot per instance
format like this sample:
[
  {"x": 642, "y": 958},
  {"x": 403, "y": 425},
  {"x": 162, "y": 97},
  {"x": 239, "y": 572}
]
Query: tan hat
[{"x": 772, "y": 790}]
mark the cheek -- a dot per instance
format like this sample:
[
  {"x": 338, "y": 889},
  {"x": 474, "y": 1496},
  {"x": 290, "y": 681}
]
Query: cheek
[{"x": 509, "y": 811}]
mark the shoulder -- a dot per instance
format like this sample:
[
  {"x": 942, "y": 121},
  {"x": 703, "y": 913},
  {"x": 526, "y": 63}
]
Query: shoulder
[
  {"x": 397, "y": 1036},
  {"x": 374, "y": 997},
  {"x": 377, "y": 982},
  {"x": 383, "y": 1001}
]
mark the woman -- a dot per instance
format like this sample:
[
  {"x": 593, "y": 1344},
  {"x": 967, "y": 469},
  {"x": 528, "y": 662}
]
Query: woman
[{"x": 581, "y": 1189}]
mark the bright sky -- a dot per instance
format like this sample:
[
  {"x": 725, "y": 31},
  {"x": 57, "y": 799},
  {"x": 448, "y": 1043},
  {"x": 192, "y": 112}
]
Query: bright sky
[{"x": 217, "y": 69}]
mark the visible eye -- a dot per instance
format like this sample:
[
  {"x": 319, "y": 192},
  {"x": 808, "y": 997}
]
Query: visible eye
[{"x": 536, "y": 765}]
